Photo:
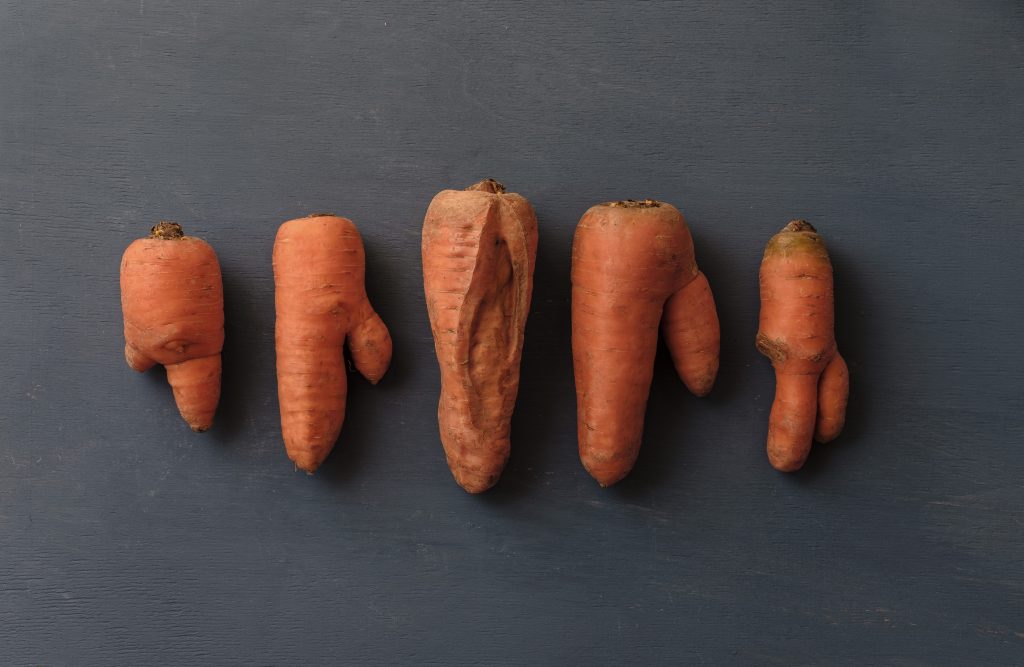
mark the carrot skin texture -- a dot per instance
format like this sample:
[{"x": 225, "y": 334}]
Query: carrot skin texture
[
  {"x": 797, "y": 333},
  {"x": 792, "y": 419},
  {"x": 479, "y": 249},
  {"x": 137, "y": 361},
  {"x": 691, "y": 331},
  {"x": 321, "y": 304},
  {"x": 172, "y": 298},
  {"x": 633, "y": 269},
  {"x": 833, "y": 393},
  {"x": 196, "y": 385}
]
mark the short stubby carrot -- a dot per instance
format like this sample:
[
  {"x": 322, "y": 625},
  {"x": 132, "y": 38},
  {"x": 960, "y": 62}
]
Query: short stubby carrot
[
  {"x": 172, "y": 299},
  {"x": 321, "y": 304},
  {"x": 479, "y": 251},
  {"x": 633, "y": 269},
  {"x": 797, "y": 333}
]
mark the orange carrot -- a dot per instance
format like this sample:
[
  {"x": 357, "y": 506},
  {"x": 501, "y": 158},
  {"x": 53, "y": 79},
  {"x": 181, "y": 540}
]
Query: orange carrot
[
  {"x": 173, "y": 304},
  {"x": 321, "y": 303},
  {"x": 797, "y": 333},
  {"x": 479, "y": 251},
  {"x": 633, "y": 267}
]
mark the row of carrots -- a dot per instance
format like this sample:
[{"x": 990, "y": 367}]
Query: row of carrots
[{"x": 633, "y": 273}]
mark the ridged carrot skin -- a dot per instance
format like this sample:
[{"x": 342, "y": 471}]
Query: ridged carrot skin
[
  {"x": 479, "y": 252},
  {"x": 172, "y": 299},
  {"x": 321, "y": 304},
  {"x": 797, "y": 332},
  {"x": 633, "y": 268}
]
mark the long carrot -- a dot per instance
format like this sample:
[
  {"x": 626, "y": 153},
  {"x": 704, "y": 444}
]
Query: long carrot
[
  {"x": 797, "y": 333},
  {"x": 633, "y": 267},
  {"x": 321, "y": 303},
  {"x": 479, "y": 252},
  {"x": 173, "y": 305}
]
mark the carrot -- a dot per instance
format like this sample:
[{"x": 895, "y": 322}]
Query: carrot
[
  {"x": 797, "y": 333},
  {"x": 479, "y": 252},
  {"x": 321, "y": 303},
  {"x": 633, "y": 267},
  {"x": 173, "y": 304}
]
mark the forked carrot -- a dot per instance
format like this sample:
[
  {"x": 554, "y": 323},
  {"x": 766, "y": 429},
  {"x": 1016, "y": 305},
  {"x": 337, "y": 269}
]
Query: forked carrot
[
  {"x": 633, "y": 269},
  {"x": 797, "y": 333}
]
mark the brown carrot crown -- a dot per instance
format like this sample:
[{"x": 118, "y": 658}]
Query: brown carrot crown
[
  {"x": 797, "y": 236},
  {"x": 488, "y": 185},
  {"x": 166, "y": 230},
  {"x": 633, "y": 203},
  {"x": 799, "y": 226}
]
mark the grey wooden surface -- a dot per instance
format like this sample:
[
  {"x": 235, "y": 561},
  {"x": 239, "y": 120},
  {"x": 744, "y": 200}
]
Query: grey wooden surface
[{"x": 894, "y": 126}]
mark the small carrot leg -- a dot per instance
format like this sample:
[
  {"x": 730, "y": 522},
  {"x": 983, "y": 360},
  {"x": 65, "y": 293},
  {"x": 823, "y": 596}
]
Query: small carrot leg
[
  {"x": 833, "y": 391},
  {"x": 196, "y": 385},
  {"x": 136, "y": 360},
  {"x": 791, "y": 424},
  {"x": 690, "y": 327},
  {"x": 369, "y": 343}
]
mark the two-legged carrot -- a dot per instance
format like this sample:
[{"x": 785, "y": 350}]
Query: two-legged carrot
[
  {"x": 633, "y": 269},
  {"x": 797, "y": 333}
]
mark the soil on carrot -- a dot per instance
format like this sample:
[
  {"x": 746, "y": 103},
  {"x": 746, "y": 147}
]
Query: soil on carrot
[{"x": 773, "y": 349}]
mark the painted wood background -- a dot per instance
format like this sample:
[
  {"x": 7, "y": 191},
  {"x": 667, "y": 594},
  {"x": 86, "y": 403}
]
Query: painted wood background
[{"x": 896, "y": 127}]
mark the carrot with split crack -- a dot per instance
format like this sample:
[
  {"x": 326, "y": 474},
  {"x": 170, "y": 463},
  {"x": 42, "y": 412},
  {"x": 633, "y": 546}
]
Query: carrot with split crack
[
  {"x": 633, "y": 269},
  {"x": 479, "y": 251},
  {"x": 321, "y": 305},
  {"x": 172, "y": 299},
  {"x": 797, "y": 332}
]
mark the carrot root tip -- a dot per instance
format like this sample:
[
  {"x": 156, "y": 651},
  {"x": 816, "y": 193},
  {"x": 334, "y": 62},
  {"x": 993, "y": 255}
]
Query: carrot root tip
[
  {"x": 306, "y": 462},
  {"x": 786, "y": 463},
  {"x": 702, "y": 387},
  {"x": 603, "y": 476},
  {"x": 474, "y": 484}
]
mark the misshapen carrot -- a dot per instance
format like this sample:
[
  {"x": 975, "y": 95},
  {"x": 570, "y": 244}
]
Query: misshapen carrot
[
  {"x": 173, "y": 304},
  {"x": 633, "y": 268},
  {"x": 479, "y": 252},
  {"x": 321, "y": 303},
  {"x": 797, "y": 333}
]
